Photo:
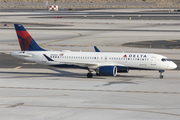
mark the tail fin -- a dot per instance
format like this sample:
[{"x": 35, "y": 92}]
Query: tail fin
[{"x": 26, "y": 42}]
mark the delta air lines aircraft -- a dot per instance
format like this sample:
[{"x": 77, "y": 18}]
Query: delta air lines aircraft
[{"x": 102, "y": 63}]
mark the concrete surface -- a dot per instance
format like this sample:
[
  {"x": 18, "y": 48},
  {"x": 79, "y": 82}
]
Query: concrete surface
[
  {"x": 68, "y": 94},
  {"x": 35, "y": 92}
]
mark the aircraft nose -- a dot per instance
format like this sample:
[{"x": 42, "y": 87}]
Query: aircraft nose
[{"x": 173, "y": 65}]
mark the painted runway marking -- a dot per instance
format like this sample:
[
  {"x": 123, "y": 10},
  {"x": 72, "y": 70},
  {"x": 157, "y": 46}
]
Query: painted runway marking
[
  {"x": 91, "y": 90},
  {"x": 17, "y": 67},
  {"x": 171, "y": 41}
]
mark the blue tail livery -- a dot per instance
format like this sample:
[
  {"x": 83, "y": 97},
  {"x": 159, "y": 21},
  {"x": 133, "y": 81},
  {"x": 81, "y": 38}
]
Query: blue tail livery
[{"x": 26, "y": 42}]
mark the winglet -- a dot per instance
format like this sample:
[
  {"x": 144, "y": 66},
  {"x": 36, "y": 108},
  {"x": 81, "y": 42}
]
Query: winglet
[
  {"x": 26, "y": 42},
  {"x": 96, "y": 49}
]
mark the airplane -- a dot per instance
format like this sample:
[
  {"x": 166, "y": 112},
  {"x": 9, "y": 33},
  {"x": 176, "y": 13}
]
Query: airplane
[{"x": 102, "y": 63}]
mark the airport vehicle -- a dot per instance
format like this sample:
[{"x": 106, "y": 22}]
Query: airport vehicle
[{"x": 103, "y": 63}]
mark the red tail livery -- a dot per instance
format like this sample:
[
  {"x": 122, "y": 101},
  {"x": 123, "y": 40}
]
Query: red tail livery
[{"x": 26, "y": 42}]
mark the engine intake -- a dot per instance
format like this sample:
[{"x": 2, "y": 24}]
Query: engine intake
[{"x": 107, "y": 71}]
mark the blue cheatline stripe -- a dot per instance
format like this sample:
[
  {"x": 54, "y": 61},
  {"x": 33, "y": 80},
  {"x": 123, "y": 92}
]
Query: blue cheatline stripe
[
  {"x": 49, "y": 59},
  {"x": 19, "y": 27},
  {"x": 23, "y": 43}
]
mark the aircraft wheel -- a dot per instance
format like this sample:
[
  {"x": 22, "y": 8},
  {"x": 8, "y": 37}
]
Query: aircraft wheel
[
  {"x": 89, "y": 75},
  {"x": 161, "y": 76}
]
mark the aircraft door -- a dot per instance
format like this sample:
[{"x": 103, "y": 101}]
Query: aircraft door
[{"x": 153, "y": 60}]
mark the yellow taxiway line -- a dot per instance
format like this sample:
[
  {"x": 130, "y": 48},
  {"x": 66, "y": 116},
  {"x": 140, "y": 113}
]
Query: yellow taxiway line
[{"x": 17, "y": 67}]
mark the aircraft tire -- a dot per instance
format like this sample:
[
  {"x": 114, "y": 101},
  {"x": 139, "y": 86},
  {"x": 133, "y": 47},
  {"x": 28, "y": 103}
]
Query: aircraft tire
[
  {"x": 161, "y": 76},
  {"x": 89, "y": 75}
]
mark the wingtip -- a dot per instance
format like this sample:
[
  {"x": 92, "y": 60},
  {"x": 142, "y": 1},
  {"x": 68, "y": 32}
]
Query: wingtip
[{"x": 96, "y": 49}]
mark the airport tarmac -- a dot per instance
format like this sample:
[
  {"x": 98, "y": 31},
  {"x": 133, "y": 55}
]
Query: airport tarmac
[
  {"x": 68, "y": 94},
  {"x": 36, "y": 92}
]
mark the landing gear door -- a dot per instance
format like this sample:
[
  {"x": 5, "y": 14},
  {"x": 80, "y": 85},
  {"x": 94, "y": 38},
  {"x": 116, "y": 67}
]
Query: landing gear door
[{"x": 153, "y": 61}]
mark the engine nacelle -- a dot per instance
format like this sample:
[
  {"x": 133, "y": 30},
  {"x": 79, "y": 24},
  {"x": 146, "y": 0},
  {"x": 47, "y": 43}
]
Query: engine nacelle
[
  {"x": 121, "y": 69},
  {"x": 107, "y": 71}
]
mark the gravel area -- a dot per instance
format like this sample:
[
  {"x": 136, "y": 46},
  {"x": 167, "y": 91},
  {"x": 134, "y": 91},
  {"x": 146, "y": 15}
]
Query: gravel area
[
  {"x": 88, "y": 4},
  {"x": 77, "y": 4}
]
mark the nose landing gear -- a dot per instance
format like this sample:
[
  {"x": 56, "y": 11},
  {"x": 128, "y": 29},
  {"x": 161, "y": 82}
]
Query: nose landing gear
[{"x": 161, "y": 74}]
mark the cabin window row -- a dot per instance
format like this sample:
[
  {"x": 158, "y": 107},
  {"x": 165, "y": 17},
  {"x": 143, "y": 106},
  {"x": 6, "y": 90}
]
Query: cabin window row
[
  {"x": 75, "y": 57},
  {"x": 110, "y": 58},
  {"x": 115, "y": 58}
]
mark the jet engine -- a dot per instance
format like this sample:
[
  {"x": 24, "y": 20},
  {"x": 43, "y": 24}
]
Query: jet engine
[
  {"x": 122, "y": 69},
  {"x": 107, "y": 70}
]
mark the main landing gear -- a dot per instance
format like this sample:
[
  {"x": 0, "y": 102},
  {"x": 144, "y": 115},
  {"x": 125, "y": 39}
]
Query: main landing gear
[
  {"x": 89, "y": 75},
  {"x": 161, "y": 74}
]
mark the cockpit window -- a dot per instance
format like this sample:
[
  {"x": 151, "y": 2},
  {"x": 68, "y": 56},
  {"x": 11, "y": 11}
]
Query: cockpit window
[
  {"x": 165, "y": 59},
  {"x": 168, "y": 59}
]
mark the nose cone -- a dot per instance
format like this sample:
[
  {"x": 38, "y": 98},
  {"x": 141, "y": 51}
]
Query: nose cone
[{"x": 173, "y": 66}]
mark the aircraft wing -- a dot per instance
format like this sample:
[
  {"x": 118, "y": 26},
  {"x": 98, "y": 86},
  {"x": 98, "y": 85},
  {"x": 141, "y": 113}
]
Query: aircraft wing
[
  {"x": 96, "y": 49},
  {"x": 92, "y": 64}
]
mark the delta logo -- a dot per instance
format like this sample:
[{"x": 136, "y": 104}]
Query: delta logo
[
  {"x": 135, "y": 56},
  {"x": 125, "y": 56}
]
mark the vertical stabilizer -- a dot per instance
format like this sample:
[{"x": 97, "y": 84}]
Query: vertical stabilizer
[{"x": 26, "y": 42}]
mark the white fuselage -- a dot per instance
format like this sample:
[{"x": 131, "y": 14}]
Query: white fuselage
[{"x": 93, "y": 60}]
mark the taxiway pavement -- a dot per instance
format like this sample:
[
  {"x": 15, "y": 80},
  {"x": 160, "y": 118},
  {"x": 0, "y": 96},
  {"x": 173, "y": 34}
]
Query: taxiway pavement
[{"x": 32, "y": 91}]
